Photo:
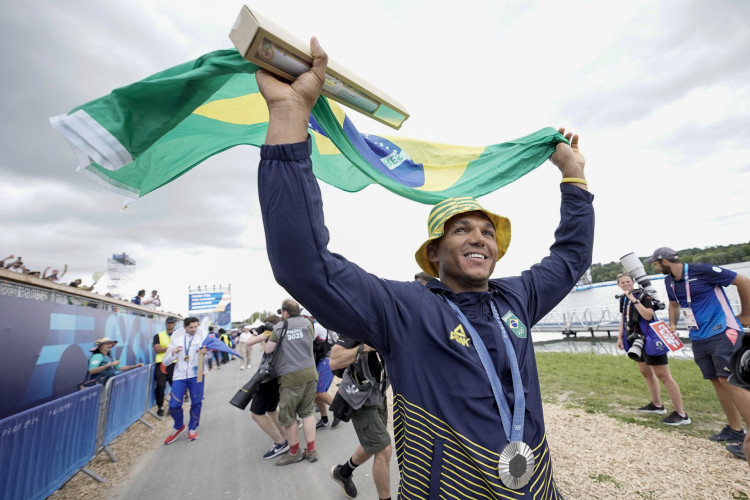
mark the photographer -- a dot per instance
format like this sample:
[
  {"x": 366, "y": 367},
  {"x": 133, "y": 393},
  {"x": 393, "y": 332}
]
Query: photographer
[
  {"x": 637, "y": 310},
  {"x": 264, "y": 407}
]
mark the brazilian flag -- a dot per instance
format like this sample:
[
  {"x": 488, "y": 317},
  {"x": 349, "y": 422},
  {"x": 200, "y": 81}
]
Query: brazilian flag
[{"x": 144, "y": 135}]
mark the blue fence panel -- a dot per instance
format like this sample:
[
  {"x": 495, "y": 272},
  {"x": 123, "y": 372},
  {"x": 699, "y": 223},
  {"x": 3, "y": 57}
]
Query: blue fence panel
[
  {"x": 126, "y": 401},
  {"x": 43, "y": 447}
]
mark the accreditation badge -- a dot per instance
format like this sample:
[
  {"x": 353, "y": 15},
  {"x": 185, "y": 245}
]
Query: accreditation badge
[
  {"x": 689, "y": 317},
  {"x": 516, "y": 465}
]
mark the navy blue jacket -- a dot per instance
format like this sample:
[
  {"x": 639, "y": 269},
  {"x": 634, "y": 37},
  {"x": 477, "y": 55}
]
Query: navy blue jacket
[{"x": 447, "y": 427}]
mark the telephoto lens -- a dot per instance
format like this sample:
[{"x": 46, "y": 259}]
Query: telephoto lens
[
  {"x": 636, "y": 349},
  {"x": 243, "y": 397}
]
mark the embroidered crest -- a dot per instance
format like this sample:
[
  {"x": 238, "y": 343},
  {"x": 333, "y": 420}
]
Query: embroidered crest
[
  {"x": 459, "y": 335},
  {"x": 518, "y": 328}
]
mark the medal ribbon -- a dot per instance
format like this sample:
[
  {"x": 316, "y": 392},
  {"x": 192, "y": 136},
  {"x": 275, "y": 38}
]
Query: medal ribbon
[
  {"x": 187, "y": 347},
  {"x": 519, "y": 409}
]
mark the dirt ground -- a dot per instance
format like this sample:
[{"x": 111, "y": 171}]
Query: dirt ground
[{"x": 593, "y": 456}]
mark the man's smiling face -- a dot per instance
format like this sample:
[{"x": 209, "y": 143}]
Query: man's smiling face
[{"x": 466, "y": 253}]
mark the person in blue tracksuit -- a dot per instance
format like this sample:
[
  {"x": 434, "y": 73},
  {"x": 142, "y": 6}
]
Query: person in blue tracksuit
[{"x": 468, "y": 420}]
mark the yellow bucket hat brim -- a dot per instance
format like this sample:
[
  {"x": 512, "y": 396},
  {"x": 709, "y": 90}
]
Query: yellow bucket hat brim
[{"x": 443, "y": 211}]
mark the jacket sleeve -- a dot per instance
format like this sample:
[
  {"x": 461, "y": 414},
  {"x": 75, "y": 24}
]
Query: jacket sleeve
[
  {"x": 339, "y": 294},
  {"x": 547, "y": 283}
]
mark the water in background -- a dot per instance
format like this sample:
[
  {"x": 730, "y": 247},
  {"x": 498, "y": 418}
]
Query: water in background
[{"x": 601, "y": 298}]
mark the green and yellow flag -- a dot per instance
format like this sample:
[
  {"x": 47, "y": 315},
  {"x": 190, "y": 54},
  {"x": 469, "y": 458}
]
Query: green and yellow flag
[{"x": 144, "y": 135}]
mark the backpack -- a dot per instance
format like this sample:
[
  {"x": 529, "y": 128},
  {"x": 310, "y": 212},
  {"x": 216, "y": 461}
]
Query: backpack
[{"x": 322, "y": 348}]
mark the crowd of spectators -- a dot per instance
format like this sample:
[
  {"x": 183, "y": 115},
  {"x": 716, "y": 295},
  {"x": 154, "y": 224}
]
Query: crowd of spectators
[{"x": 17, "y": 265}]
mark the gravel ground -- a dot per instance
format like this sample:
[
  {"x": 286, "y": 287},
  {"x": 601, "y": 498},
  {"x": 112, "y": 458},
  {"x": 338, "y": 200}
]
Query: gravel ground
[{"x": 593, "y": 456}]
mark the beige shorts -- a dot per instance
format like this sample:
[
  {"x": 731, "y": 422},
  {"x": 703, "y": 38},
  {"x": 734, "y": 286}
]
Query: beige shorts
[{"x": 296, "y": 401}]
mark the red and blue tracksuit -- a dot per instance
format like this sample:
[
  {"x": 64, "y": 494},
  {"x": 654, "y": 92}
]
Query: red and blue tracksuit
[{"x": 447, "y": 428}]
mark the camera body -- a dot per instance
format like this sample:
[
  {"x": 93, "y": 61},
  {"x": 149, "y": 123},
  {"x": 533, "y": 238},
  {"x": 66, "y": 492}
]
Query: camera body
[{"x": 739, "y": 364}]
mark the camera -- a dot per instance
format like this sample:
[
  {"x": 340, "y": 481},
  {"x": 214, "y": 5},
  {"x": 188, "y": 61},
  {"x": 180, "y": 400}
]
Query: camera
[
  {"x": 739, "y": 364},
  {"x": 637, "y": 341},
  {"x": 634, "y": 267}
]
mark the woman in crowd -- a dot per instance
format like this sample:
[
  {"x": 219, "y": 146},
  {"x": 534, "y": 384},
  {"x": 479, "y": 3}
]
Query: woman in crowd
[
  {"x": 637, "y": 311},
  {"x": 101, "y": 364}
]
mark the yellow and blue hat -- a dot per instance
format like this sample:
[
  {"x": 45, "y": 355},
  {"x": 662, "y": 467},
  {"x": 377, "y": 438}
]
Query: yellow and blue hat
[{"x": 443, "y": 211}]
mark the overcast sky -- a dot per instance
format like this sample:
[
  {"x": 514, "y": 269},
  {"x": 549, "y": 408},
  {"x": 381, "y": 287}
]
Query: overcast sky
[{"x": 659, "y": 91}]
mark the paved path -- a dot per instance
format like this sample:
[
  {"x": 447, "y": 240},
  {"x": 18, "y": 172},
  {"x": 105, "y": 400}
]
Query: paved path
[{"x": 225, "y": 462}]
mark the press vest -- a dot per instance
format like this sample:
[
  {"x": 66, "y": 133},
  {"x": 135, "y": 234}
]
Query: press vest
[
  {"x": 164, "y": 338},
  {"x": 297, "y": 351}
]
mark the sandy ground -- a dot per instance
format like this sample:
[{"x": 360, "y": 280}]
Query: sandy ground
[{"x": 594, "y": 456}]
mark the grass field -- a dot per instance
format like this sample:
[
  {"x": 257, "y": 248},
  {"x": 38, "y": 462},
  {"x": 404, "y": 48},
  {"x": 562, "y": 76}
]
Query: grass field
[{"x": 612, "y": 385}]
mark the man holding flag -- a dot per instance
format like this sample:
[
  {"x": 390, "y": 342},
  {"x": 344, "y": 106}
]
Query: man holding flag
[
  {"x": 188, "y": 346},
  {"x": 467, "y": 405}
]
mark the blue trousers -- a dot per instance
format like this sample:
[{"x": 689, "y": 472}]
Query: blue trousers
[{"x": 196, "y": 402}]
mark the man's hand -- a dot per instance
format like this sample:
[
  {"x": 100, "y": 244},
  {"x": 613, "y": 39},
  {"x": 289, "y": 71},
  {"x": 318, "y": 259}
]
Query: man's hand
[
  {"x": 289, "y": 105},
  {"x": 744, "y": 318},
  {"x": 568, "y": 158}
]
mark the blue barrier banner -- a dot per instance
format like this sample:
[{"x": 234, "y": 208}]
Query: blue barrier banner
[
  {"x": 126, "y": 401},
  {"x": 43, "y": 447}
]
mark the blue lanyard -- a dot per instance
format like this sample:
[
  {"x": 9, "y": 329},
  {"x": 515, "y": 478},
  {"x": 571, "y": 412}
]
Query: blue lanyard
[
  {"x": 687, "y": 285},
  {"x": 519, "y": 409},
  {"x": 187, "y": 347}
]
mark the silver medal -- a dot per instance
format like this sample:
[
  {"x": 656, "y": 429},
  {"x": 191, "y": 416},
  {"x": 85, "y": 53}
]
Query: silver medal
[{"x": 516, "y": 465}]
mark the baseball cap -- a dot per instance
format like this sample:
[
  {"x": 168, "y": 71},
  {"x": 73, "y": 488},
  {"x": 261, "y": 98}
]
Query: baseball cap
[
  {"x": 171, "y": 319},
  {"x": 661, "y": 253},
  {"x": 443, "y": 211}
]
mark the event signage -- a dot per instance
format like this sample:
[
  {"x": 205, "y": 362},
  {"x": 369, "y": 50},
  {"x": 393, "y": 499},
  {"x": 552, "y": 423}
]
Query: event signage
[
  {"x": 671, "y": 340},
  {"x": 207, "y": 301}
]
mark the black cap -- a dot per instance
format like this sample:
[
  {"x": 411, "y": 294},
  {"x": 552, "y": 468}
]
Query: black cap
[
  {"x": 662, "y": 253},
  {"x": 171, "y": 319}
]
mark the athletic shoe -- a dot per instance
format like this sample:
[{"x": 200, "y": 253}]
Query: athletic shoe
[
  {"x": 242, "y": 367},
  {"x": 652, "y": 408},
  {"x": 276, "y": 450},
  {"x": 170, "y": 439},
  {"x": 291, "y": 458},
  {"x": 192, "y": 435},
  {"x": 160, "y": 412},
  {"x": 312, "y": 456},
  {"x": 336, "y": 421},
  {"x": 299, "y": 424},
  {"x": 323, "y": 425},
  {"x": 186, "y": 398},
  {"x": 346, "y": 483},
  {"x": 729, "y": 435},
  {"x": 736, "y": 450},
  {"x": 675, "y": 419}
]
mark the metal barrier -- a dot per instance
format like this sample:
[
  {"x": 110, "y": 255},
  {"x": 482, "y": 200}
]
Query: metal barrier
[
  {"x": 42, "y": 447},
  {"x": 124, "y": 396}
]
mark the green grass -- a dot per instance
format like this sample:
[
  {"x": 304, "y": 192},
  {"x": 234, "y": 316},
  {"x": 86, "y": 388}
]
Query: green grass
[{"x": 612, "y": 385}]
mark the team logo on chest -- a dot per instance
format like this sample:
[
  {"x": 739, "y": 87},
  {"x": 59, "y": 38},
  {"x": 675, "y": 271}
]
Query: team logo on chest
[
  {"x": 518, "y": 328},
  {"x": 459, "y": 335}
]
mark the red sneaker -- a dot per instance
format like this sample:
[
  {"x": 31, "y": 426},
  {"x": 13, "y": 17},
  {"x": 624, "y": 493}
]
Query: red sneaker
[
  {"x": 170, "y": 439},
  {"x": 192, "y": 435}
]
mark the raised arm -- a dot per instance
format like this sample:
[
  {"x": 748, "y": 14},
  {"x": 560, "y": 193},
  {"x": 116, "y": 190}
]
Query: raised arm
[
  {"x": 548, "y": 282},
  {"x": 341, "y": 295}
]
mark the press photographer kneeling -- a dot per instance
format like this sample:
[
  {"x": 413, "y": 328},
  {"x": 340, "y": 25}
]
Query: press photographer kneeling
[{"x": 636, "y": 337}]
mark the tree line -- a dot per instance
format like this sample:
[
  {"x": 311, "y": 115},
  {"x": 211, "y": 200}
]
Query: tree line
[{"x": 718, "y": 255}]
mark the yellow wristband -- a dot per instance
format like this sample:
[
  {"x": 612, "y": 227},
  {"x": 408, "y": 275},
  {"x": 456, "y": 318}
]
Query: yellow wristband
[{"x": 574, "y": 180}]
